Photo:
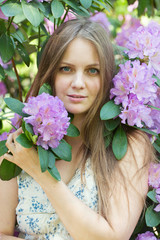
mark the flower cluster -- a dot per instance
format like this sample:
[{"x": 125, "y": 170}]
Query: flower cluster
[
  {"x": 134, "y": 88},
  {"x": 49, "y": 119},
  {"x": 130, "y": 25},
  {"x": 134, "y": 85},
  {"x": 102, "y": 19},
  {"x": 146, "y": 236},
  {"x": 154, "y": 182},
  {"x": 145, "y": 44}
]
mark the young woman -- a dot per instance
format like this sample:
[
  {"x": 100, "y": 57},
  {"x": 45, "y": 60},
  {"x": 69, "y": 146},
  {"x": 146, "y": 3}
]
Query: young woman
[{"x": 98, "y": 198}]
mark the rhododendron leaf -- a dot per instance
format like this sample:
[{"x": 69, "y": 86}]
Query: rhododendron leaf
[
  {"x": 85, "y": 3},
  {"x": 6, "y": 48},
  {"x": 63, "y": 151},
  {"x": 3, "y": 148},
  {"x": 141, "y": 7},
  {"x": 9, "y": 170},
  {"x": 112, "y": 124},
  {"x": 152, "y": 217},
  {"x": 72, "y": 131},
  {"x": 45, "y": 88},
  {"x": 11, "y": 8},
  {"x": 51, "y": 159},
  {"x": 119, "y": 143},
  {"x": 156, "y": 108},
  {"x": 23, "y": 140},
  {"x": 43, "y": 158},
  {"x": 158, "y": 80},
  {"x": 102, "y": 4},
  {"x": 16, "y": 106},
  {"x": 152, "y": 195},
  {"x": 2, "y": 73},
  {"x": 23, "y": 53},
  {"x": 108, "y": 139},
  {"x": 72, "y": 4},
  {"x": 57, "y": 8},
  {"x": 156, "y": 146},
  {"x": 31, "y": 13},
  {"x": 54, "y": 172},
  {"x": 109, "y": 110},
  {"x": 29, "y": 128}
]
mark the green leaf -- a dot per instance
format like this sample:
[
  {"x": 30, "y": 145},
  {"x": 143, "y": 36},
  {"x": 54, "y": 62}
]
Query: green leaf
[
  {"x": 16, "y": 106},
  {"x": 31, "y": 13},
  {"x": 43, "y": 158},
  {"x": 119, "y": 143},
  {"x": 57, "y": 8},
  {"x": 11, "y": 8},
  {"x": 112, "y": 124},
  {"x": 3, "y": 148},
  {"x": 152, "y": 217},
  {"x": 101, "y": 4},
  {"x": 63, "y": 151},
  {"x": 141, "y": 7},
  {"x": 52, "y": 159},
  {"x": 72, "y": 131},
  {"x": 9, "y": 170},
  {"x": 72, "y": 4},
  {"x": 54, "y": 172},
  {"x": 109, "y": 110},
  {"x": 86, "y": 4},
  {"x": 152, "y": 195},
  {"x": 46, "y": 88},
  {"x": 3, "y": 27},
  {"x": 6, "y": 48},
  {"x": 23, "y": 140},
  {"x": 2, "y": 73},
  {"x": 156, "y": 146},
  {"x": 23, "y": 53},
  {"x": 108, "y": 139},
  {"x": 29, "y": 128},
  {"x": 85, "y": 11},
  {"x": 158, "y": 80}
]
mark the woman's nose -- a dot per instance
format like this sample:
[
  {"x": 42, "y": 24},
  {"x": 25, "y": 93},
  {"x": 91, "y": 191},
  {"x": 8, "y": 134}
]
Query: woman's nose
[{"x": 78, "y": 80}]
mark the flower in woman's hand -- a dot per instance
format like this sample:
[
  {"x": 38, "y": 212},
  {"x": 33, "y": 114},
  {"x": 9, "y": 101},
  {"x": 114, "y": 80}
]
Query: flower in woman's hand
[{"x": 49, "y": 119}]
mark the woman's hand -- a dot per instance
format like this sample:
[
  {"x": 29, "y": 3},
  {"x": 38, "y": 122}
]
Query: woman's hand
[{"x": 25, "y": 158}]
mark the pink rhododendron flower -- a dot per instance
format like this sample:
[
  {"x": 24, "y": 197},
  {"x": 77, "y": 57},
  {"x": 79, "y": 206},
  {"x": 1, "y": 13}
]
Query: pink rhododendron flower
[
  {"x": 154, "y": 175},
  {"x": 130, "y": 25},
  {"x": 3, "y": 89},
  {"x": 146, "y": 236},
  {"x": 145, "y": 44},
  {"x": 134, "y": 87},
  {"x": 49, "y": 119},
  {"x": 102, "y": 19}
]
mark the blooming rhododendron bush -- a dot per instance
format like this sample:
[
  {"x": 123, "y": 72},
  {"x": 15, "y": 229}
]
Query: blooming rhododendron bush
[{"x": 25, "y": 26}]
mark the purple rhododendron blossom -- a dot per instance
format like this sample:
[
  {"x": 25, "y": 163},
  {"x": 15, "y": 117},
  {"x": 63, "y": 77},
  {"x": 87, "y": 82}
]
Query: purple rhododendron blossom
[
  {"x": 134, "y": 87},
  {"x": 157, "y": 208},
  {"x": 102, "y": 19},
  {"x": 154, "y": 175},
  {"x": 16, "y": 122},
  {"x": 49, "y": 119},
  {"x": 145, "y": 44},
  {"x": 146, "y": 236},
  {"x": 4, "y": 136},
  {"x": 3, "y": 89},
  {"x": 130, "y": 25}
]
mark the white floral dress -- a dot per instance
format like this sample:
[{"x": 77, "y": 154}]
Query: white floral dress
[{"x": 37, "y": 219}]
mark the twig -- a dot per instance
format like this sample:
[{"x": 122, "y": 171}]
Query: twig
[{"x": 19, "y": 83}]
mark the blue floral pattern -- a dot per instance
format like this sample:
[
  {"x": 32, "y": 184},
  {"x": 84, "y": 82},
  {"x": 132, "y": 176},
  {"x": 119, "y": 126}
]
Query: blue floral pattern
[{"x": 37, "y": 219}]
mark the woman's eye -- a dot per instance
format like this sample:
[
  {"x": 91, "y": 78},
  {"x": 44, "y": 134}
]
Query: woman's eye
[
  {"x": 65, "y": 69},
  {"x": 93, "y": 71}
]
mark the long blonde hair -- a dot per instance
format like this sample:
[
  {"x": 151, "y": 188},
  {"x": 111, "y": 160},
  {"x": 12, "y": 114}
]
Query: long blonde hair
[{"x": 104, "y": 164}]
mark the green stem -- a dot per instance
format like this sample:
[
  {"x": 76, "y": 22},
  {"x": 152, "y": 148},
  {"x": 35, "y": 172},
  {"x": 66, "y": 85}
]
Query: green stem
[
  {"x": 67, "y": 10},
  {"x": 9, "y": 25},
  {"x": 19, "y": 82},
  {"x": 39, "y": 38}
]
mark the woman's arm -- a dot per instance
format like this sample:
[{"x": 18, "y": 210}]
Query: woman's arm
[
  {"x": 80, "y": 221},
  {"x": 8, "y": 203}
]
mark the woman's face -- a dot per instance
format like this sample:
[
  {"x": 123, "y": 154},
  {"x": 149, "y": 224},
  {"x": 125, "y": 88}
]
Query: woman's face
[{"x": 77, "y": 81}]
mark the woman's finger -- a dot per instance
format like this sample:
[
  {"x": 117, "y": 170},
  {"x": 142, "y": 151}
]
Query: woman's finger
[{"x": 9, "y": 157}]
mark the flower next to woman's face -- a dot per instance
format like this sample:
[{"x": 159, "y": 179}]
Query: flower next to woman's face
[
  {"x": 154, "y": 175},
  {"x": 146, "y": 236}
]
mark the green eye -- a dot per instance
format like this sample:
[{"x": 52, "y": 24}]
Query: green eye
[
  {"x": 93, "y": 71},
  {"x": 66, "y": 69}
]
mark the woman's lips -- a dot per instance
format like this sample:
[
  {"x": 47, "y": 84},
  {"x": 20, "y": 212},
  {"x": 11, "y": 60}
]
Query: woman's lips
[{"x": 76, "y": 97}]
